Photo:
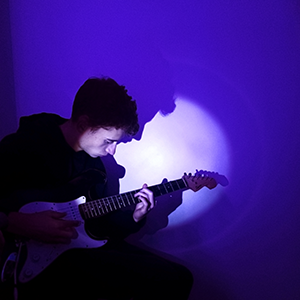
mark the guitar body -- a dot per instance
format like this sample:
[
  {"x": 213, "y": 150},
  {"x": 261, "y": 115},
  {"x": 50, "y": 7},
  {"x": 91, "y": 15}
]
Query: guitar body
[{"x": 40, "y": 255}]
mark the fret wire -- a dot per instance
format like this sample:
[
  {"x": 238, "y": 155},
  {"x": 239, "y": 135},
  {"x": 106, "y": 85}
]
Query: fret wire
[
  {"x": 134, "y": 199},
  {"x": 102, "y": 212},
  {"x": 97, "y": 207},
  {"x": 105, "y": 207},
  {"x": 92, "y": 210},
  {"x": 109, "y": 205},
  {"x": 117, "y": 199},
  {"x": 166, "y": 191},
  {"x": 160, "y": 190},
  {"x": 124, "y": 205},
  {"x": 173, "y": 184},
  {"x": 184, "y": 184},
  {"x": 181, "y": 183},
  {"x": 81, "y": 208},
  {"x": 113, "y": 202},
  {"x": 88, "y": 211},
  {"x": 123, "y": 200},
  {"x": 108, "y": 200},
  {"x": 177, "y": 183},
  {"x": 156, "y": 190},
  {"x": 131, "y": 197},
  {"x": 169, "y": 187},
  {"x": 127, "y": 199}
]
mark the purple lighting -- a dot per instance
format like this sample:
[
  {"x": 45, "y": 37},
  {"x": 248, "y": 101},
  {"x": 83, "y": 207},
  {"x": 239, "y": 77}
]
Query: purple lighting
[{"x": 233, "y": 68}]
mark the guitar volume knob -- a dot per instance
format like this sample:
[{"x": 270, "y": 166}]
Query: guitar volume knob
[
  {"x": 35, "y": 257},
  {"x": 28, "y": 273}
]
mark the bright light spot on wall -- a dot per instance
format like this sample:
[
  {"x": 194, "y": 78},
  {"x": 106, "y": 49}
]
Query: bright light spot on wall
[{"x": 186, "y": 140}]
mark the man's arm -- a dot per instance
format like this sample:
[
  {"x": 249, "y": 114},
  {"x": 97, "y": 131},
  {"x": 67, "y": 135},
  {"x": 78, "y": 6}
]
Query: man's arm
[
  {"x": 46, "y": 226},
  {"x": 3, "y": 225}
]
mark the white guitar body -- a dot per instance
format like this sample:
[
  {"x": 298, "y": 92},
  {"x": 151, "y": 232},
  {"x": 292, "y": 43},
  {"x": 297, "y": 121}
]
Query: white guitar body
[{"x": 40, "y": 255}]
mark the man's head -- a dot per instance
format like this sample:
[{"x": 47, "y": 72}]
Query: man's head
[
  {"x": 105, "y": 104},
  {"x": 100, "y": 142}
]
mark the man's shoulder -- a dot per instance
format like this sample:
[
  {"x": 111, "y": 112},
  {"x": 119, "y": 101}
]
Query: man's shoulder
[
  {"x": 40, "y": 121},
  {"x": 34, "y": 130}
]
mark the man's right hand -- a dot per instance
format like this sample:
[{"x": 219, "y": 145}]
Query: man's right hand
[{"x": 46, "y": 226}]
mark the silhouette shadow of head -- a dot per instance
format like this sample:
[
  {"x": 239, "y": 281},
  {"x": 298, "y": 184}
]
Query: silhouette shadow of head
[
  {"x": 154, "y": 91},
  {"x": 147, "y": 78},
  {"x": 145, "y": 73}
]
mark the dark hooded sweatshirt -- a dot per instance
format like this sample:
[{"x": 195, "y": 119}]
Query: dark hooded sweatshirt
[{"x": 37, "y": 164}]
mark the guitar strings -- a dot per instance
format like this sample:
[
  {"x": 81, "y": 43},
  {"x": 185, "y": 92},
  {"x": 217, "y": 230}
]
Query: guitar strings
[{"x": 103, "y": 206}]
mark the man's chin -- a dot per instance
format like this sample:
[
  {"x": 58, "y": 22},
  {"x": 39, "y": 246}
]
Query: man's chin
[
  {"x": 98, "y": 155},
  {"x": 94, "y": 155}
]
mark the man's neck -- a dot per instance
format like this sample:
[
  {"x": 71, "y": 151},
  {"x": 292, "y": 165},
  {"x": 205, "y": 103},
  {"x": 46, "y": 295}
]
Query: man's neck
[{"x": 70, "y": 134}]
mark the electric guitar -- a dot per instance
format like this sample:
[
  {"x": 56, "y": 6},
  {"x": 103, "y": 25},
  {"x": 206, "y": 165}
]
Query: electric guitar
[{"x": 41, "y": 255}]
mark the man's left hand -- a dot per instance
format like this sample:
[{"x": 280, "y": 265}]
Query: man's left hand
[{"x": 147, "y": 203}]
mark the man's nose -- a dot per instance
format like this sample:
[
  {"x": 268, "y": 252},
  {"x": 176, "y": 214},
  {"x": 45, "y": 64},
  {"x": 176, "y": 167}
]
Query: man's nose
[{"x": 111, "y": 149}]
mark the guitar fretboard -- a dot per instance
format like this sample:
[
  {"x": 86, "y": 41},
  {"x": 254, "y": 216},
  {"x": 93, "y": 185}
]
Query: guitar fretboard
[{"x": 100, "y": 207}]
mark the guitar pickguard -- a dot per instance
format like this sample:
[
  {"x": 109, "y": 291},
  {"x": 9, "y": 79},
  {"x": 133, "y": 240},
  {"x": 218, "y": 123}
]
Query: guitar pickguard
[{"x": 40, "y": 255}]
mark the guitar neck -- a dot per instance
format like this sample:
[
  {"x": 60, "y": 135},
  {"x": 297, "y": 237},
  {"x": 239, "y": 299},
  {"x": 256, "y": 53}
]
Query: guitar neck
[{"x": 100, "y": 207}]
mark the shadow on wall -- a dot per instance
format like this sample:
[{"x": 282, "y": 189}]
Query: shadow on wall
[
  {"x": 147, "y": 77},
  {"x": 145, "y": 73}
]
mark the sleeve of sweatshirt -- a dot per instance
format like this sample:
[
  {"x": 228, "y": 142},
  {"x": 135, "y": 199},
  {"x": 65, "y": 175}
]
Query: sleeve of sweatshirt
[
  {"x": 10, "y": 160},
  {"x": 116, "y": 225}
]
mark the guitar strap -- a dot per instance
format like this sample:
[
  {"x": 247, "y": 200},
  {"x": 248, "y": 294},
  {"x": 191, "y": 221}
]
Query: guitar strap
[{"x": 9, "y": 273}]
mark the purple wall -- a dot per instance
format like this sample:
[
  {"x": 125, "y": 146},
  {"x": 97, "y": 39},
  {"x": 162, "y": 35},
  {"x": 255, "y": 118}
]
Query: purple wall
[
  {"x": 8, "y": 120},
  {"x": 236, "y": 60}
]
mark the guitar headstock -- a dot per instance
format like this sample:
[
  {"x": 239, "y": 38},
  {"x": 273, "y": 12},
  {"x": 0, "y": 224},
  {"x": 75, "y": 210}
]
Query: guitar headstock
[{"x": 199, "y": 180}]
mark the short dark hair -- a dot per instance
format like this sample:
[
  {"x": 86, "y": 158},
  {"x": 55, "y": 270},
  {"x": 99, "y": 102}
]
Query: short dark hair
[{"x": 106, "y": 104}]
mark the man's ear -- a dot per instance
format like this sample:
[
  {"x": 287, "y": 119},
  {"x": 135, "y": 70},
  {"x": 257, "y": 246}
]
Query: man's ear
[{"x": 82, "y": 123}]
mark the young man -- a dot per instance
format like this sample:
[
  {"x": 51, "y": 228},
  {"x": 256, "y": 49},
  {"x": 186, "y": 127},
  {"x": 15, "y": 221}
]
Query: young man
[{"x": 57, "y": 160}]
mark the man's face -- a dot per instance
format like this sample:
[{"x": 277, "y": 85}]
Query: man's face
[{"x": 100, "y": 142}]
